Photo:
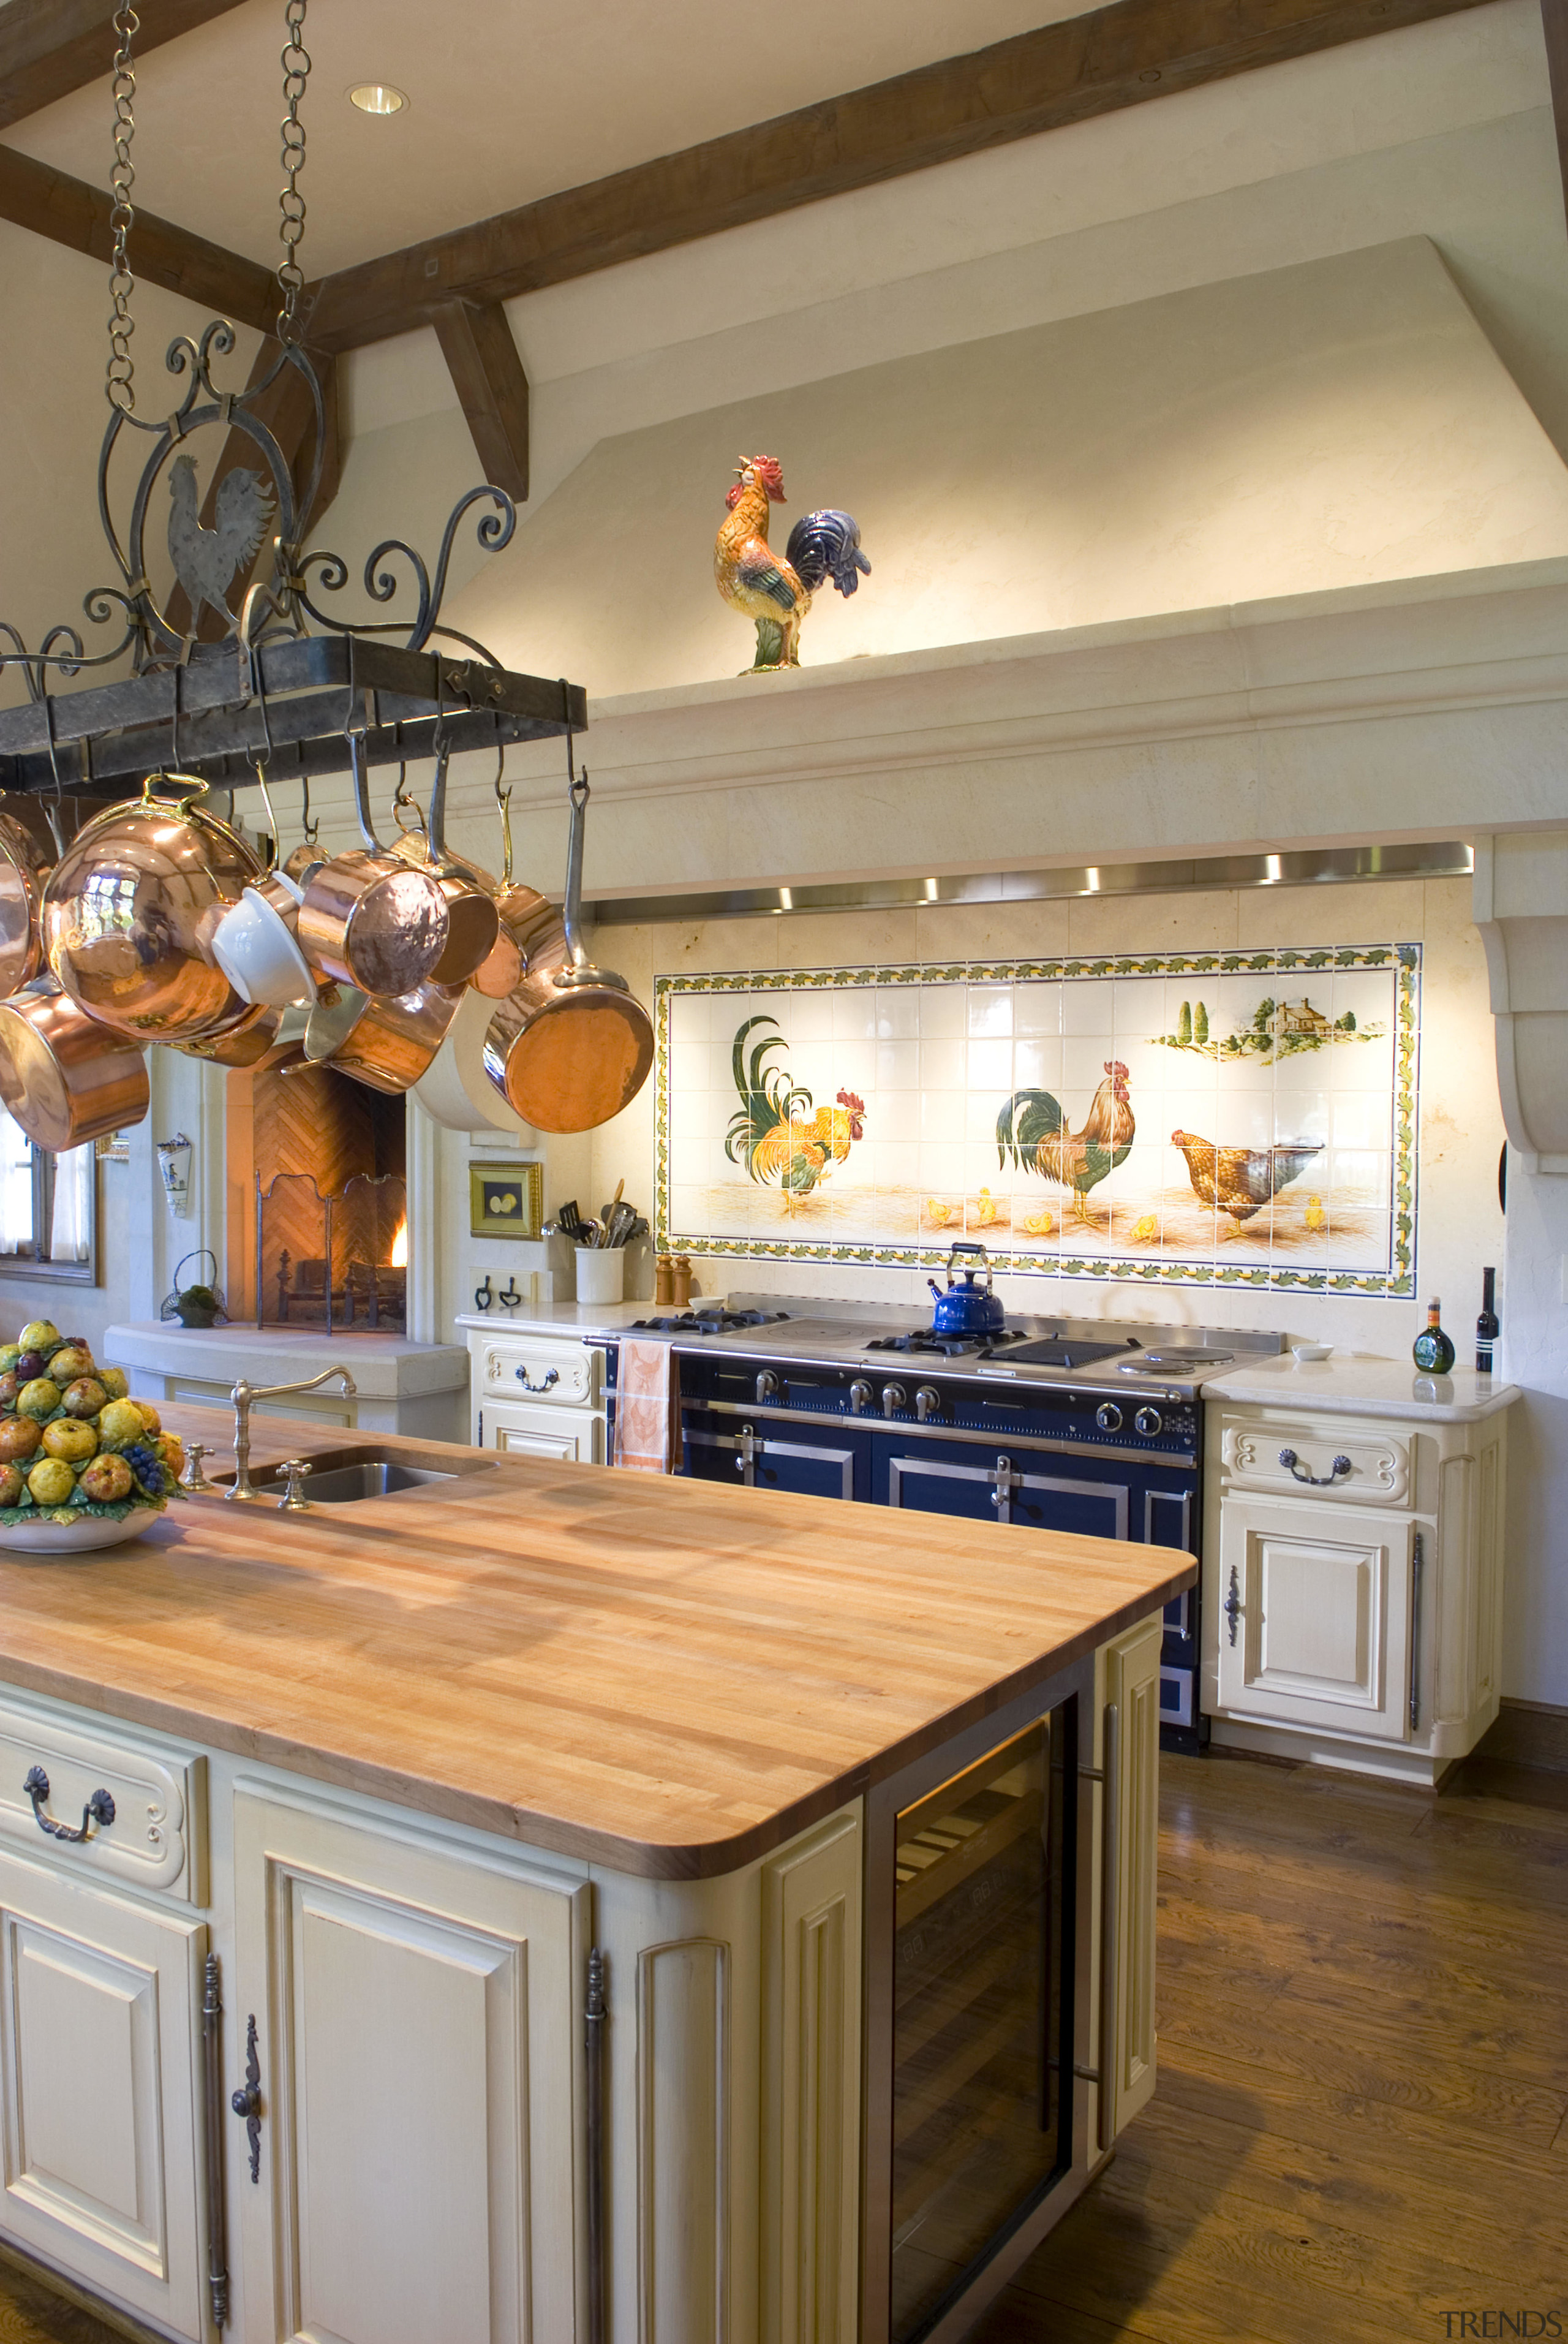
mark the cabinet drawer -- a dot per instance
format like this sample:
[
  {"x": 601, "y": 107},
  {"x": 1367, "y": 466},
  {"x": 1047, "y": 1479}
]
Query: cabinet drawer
[
  {"x": 1376, "y": 1472},
  {"x": 561, "y": 1436},
  {"x": 158, "y": 1832},
  {"x": 549, "y": 1375}
]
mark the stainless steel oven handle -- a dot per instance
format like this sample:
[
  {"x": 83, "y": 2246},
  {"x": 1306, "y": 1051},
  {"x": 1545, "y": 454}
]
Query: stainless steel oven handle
[
  {"x": 1110, "y": 1912},
  {"x": 1180, "y": 1458}
]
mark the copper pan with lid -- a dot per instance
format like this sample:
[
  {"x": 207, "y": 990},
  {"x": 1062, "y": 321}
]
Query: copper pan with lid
[
  {"x": 369, "y": 919},
  {"x": 572, "y": 1045},
  {"x": 129, "y": 912},
  {"x": 62, "y": 1078}
]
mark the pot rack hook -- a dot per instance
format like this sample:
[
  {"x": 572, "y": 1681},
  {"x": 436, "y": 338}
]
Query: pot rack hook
[
  {"x": 504, "y": 808},
  {"x": 52, "y": 812},
  {"x": 406, "y": 809},
  {"x": 312, "y": 829}
]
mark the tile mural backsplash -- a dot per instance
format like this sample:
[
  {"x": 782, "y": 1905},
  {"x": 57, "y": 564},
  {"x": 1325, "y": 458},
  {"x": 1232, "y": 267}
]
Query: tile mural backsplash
[{"x": 1219, "y": 1118}]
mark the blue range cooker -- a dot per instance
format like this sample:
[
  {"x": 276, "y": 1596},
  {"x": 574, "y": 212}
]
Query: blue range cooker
[{"x": 1080, "y": 1425}]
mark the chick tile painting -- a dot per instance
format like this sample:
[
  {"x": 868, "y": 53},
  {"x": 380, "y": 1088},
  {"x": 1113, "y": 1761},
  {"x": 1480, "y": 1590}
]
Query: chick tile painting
[{"x": 1231, "y": 1118}]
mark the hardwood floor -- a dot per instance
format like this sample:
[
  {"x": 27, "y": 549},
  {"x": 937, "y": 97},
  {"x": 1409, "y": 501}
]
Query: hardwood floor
[{"x": 1361, "y": 2123}]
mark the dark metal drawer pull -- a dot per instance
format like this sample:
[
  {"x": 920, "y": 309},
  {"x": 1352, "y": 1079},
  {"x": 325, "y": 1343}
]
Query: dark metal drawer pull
[
  {"x": 552, "y": 1376},
  {"x": 1314, "y": 1481},
  {"x": 247, "y": 2101},
  {"x": 99, "y": 1808},
  {"x": 1232, "y": 1606}
]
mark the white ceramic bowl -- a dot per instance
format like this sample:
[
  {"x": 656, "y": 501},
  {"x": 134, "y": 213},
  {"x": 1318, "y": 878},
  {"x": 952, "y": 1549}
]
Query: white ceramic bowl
[
  {"x": 79, "y": 1537},
  {"x": 1302, "y": 1352},
  {"x": 254, "y": 945}
]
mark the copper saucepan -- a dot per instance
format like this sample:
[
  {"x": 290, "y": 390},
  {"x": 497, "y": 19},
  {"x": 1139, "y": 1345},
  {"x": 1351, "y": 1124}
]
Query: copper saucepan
[
  {"x": 474, "y": 923},
  {"x": 572, "y": 1045},
  {"x": 385, "y": 1041},
  {"x": 501, "y": 970},
  {"x": 370, "y": 919},
  {"x": 23, "y": 867},
  {"x": 129, "y": 910},
  {"x": 62, "y": 1078}
]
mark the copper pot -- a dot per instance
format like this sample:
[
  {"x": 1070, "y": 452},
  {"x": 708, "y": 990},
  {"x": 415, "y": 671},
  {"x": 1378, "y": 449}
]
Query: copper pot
[
  {"x": 23, "y": 866},
  {"x": 265, "y": 1038},
  {"x": 572, "y": 1045},
  {"x": 369, "y": 919},
  {"x": 62, "y": 1078},
  {"x": 128, "y": 914},
  {"x": 385, "y": 1041},
  {"x": 474, "y": 925}
]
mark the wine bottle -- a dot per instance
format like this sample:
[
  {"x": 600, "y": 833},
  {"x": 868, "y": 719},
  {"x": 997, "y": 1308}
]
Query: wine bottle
[
  {"x": 1432, "y": 1351},
  {"x": 1488, "y": 1327}
]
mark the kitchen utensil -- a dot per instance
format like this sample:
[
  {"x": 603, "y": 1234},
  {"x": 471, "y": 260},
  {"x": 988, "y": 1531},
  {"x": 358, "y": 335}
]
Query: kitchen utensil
[
  {"x": 969, "y": 1309},
  {"x": 62, "y": 1078},
  {"x": 266, "y": 1039},
  {"x": 455, "y": 1091},
  {"x": 256, "y": 946},
  {"x": 473, "y": 920},
  {"x": 572, "y": 1045},
  {"x": 369, "y": 919},
  {"x": 130, "y": 911},
  {"x": 23, "y": 868},
  {"x": 385, "y": 1041}
]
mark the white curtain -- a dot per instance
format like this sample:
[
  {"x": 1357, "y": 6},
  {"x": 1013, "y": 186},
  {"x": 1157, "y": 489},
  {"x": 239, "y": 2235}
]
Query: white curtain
[
  {"x": 16, "y": 1187},
  {"x": 69, "y": 1239}
]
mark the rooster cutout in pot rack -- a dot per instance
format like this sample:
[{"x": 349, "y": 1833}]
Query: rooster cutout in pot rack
[{"x": 157, "y": 922}]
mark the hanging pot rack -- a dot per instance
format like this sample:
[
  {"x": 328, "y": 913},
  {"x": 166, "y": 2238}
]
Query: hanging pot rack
[{"x": 278, "y": 695}]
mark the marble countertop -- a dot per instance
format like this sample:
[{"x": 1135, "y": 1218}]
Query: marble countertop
[
  {"x": 585, "y": 1318},
  {"x": 382, "y": 1366},
  {"x": 1351, "y": 1384}
]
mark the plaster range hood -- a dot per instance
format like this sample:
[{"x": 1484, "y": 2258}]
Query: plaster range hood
[{"x": 1520, "y": 899}]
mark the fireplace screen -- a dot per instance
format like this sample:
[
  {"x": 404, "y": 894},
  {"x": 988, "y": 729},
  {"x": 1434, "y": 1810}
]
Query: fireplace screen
[{"x": 338, "y": 1262}]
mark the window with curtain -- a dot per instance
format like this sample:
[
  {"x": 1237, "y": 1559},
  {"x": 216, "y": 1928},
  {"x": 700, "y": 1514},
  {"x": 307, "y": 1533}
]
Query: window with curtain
[{"x": 46, "y": 1208}]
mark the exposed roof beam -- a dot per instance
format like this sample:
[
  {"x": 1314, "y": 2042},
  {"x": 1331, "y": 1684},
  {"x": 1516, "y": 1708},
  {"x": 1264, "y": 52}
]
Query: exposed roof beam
[
  {"x": 488, "y": 374},
  {"x": 1554, "y": 23},
  {"x": 1115, "y": 56},
  {"x": 35, "y": 196},
  {"x": 50, "y": 48}
]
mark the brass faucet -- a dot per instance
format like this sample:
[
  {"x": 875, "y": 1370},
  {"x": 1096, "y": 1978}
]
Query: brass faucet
[{"x": 242, "y": 1394}]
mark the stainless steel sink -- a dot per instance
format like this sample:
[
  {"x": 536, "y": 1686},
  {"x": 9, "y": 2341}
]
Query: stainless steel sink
[{"x": 346, "y": 1485}]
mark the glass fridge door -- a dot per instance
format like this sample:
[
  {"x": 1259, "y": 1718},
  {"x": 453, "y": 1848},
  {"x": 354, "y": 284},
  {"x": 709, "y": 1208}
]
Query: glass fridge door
[{"x": 978, "y": 2127}]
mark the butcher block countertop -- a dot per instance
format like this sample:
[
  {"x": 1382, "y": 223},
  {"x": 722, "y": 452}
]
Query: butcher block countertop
[{"x": 665, "y": 1677}]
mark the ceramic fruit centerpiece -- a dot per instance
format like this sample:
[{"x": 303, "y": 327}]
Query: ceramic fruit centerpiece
[{"x": 82, "y": 1464}]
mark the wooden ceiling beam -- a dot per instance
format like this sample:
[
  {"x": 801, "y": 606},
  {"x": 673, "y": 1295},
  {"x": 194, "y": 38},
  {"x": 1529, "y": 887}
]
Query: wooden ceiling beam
[
  {"x": 1554, "y": 25},
  {"x": 482, "y": 359},
  {"x": 1115, "y": 56},
  {"x": 50, "y": 48},
  {"x": 36, "y": 195}
]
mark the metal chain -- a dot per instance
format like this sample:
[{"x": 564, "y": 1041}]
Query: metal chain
[
  {"x": 119, "y": 384},
  {"x": 290, "y": 202}
]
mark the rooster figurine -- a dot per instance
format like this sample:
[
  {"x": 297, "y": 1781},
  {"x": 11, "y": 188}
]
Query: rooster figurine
[
  {"x": 1032, "y": 1129},
  {"x": 207, "y": 560},
  {"x": 774, "y": 590}
]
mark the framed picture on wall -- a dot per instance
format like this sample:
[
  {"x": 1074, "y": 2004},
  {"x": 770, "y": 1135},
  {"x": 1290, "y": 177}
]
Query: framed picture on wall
[{"x": 506, "y": 1200}]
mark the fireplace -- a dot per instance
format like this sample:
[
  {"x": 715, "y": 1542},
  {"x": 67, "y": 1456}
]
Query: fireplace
[{"x": 331, "y": 1203}]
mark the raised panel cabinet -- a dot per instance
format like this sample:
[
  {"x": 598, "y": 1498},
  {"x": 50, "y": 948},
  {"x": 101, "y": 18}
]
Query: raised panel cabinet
[
  {"x": 100, "y": 2004},
  {"x": 1316, "y": 1628},
  {"x": 1123, "y": 1967},
  {"x": 419, "y": 2023},
  {"x": 561, "y": 1435}
]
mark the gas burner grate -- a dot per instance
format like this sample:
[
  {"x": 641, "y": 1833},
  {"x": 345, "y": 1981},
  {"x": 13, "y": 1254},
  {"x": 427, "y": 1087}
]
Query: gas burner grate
[
  {"x": 924, "y": 1341},
  {"x": 708, "y": 1322}
]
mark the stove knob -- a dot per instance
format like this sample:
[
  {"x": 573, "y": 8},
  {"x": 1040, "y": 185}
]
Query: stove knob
[
  {"x": 928, "y": 1402},
  {"x": 766, "y": 1385},
  {"x": 1109, "y": 1417},
  {"x": 893, "y": 1396},
  {"x": 860, "y": 1396},
  {"x": 1149, "y": 1421}
]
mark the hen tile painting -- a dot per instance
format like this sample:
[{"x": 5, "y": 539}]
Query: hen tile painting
[{"x": 1236, "y": 1119}]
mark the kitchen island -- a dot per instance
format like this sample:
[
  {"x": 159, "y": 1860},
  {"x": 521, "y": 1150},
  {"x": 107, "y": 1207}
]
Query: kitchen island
[{"x": 407, "y": 1782}]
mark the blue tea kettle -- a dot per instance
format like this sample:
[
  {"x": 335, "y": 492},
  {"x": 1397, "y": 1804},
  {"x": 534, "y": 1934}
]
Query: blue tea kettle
[{"x": 969, "y": 1309}]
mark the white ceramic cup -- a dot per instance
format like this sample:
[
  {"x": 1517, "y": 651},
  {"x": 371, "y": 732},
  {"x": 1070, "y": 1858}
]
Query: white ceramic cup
[
  {"x": 601, "y": 1273},
  {"x": 257, "y": 950}
]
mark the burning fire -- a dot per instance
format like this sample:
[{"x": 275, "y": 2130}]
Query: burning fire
[{"x": 400, "y": 1245}]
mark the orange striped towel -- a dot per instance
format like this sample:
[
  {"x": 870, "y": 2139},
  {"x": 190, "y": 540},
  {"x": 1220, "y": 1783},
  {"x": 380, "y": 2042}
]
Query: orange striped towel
[{"x": 648, "y": 1408}]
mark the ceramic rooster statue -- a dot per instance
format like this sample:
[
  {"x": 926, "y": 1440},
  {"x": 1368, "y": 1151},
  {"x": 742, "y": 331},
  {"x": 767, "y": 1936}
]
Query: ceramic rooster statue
[
  {"x": 780, "y": 1147},
  {"x": 207, "y": 560},
  {"x": 1032, "y": 1129},
  {"x": 773, "y": 590},
  {"x": 1241, "y": 1180}
]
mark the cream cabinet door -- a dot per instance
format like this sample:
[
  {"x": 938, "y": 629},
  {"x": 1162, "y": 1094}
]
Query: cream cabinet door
[
  {"x": 420, "y": 2024},
  {"x": 1314, "y": 1616},
  {"x": 100, "y": 2011},
  {"x": 1127, "y": 1876},
  {"x": 558, "y": 1434}
]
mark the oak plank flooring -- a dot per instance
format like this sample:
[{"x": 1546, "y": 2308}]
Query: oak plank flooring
[{"x": 1362, "y": 2121}]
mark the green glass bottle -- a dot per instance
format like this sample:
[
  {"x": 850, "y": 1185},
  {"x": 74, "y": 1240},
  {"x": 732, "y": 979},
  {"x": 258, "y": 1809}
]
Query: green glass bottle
[{"x": 1434, "y": 1353}]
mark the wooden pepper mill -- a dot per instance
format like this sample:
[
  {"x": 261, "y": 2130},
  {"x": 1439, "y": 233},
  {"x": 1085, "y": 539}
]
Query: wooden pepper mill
[
  {"x": 681, "y": 1280},
  {"x": 664, "y": 1279}
]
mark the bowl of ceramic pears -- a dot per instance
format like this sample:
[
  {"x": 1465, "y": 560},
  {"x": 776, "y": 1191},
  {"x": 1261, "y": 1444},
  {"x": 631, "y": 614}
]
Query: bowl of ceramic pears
[{"x": 82, "y": 1464}]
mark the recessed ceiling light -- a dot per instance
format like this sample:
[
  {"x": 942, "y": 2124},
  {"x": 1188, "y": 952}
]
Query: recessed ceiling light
[{"x": 377, "y": 98}]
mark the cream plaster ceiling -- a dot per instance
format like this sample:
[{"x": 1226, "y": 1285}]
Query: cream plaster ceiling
[{"x": 512, "y": 99}]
